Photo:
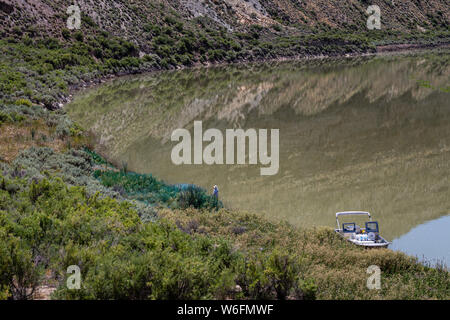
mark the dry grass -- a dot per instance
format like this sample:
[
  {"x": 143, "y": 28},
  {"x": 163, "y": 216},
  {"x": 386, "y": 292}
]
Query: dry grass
[
  {"x": 17, "y": 137},
  {"x": 337, "y": 267}
]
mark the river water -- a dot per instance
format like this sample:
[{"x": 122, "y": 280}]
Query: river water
[{"x": 368, "y": 134}]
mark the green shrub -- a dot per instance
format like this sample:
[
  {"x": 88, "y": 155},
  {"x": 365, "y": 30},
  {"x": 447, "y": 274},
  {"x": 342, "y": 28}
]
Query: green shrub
[
  {"x": 196, "y": 197},
  {"x": 78, "y": 35},
  {"x": 65, "y": 33},
  {"x": 4, "y": 117},
  {"x": 24, "y": 102},
  {"x": 141, "y": 187},
  {"x": 277, "y": 27},
  {"x": 276, "y": 275},
  {"x": 192, "y": 196},
  {"x": 282, "y": 271},
  {"x": 47, "y": 224},
  {"x": 19, "y": 276},
  {"x": 307, "y": 289},
  {"x": 165, "y": 264}
]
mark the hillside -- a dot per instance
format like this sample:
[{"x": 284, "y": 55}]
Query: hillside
[
  {"x": 143, "y": 239},
  {"x": 130, "y": 18},
  {"x": 134, "y": 236},
  {"x": 151, "y": 23},
  {"x": 118, "y": 37}
]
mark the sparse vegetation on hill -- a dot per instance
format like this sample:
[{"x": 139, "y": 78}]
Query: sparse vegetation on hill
[
  {"x": 126, "y": 37},
  {"x": 134, "y": 236},
  {"x": 45, "y": 226}
]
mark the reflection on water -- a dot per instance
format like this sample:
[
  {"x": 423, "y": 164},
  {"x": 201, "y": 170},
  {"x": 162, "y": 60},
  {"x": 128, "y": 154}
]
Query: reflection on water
[
  {"x": 360, "y": 134},
  {"x": 429, "y": 241}
]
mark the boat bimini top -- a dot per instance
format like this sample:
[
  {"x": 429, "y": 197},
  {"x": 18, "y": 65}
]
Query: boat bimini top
[{"x": 351, "y": 213}]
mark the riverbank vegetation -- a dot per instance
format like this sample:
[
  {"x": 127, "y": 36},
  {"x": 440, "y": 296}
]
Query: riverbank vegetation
[
  {"x": 132, "y": 235},
  {"x": 52, "y": 217},
  {"x": 40, "y": 69}
]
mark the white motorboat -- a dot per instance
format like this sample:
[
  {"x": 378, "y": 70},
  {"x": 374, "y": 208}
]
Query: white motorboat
[{"x": 368, "y": 237}]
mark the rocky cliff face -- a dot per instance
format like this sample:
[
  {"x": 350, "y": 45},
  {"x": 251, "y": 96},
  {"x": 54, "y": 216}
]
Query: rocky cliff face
[{"x": 129, "y": 18}]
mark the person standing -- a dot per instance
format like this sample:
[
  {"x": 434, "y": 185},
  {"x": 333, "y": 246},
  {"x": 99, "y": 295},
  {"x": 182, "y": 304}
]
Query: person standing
[
  {"x": 216, "y": 192},
  {"x": 216, "y": 197}
]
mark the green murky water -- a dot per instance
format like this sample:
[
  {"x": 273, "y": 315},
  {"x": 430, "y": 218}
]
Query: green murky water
[{"x": 358, "y": 134}]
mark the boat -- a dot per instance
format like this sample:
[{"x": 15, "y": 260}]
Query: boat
[{"x": 368, "y": 237}]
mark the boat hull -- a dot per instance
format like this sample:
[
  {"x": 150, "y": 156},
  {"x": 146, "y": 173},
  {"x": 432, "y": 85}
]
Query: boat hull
[{"x": 382, "y": 243}]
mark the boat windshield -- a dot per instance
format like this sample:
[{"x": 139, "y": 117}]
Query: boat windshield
[
  {"x": 348, "y": 227},
  {"x": 371, "y": 226}
]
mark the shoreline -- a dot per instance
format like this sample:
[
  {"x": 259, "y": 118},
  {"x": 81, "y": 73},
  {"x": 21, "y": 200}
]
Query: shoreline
[
  {"x": 416, "y": 52},
  {"x": 385, "y": 50},
  {"x": 249, "y": 236},
  {"x": 81, "y": 208}
]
